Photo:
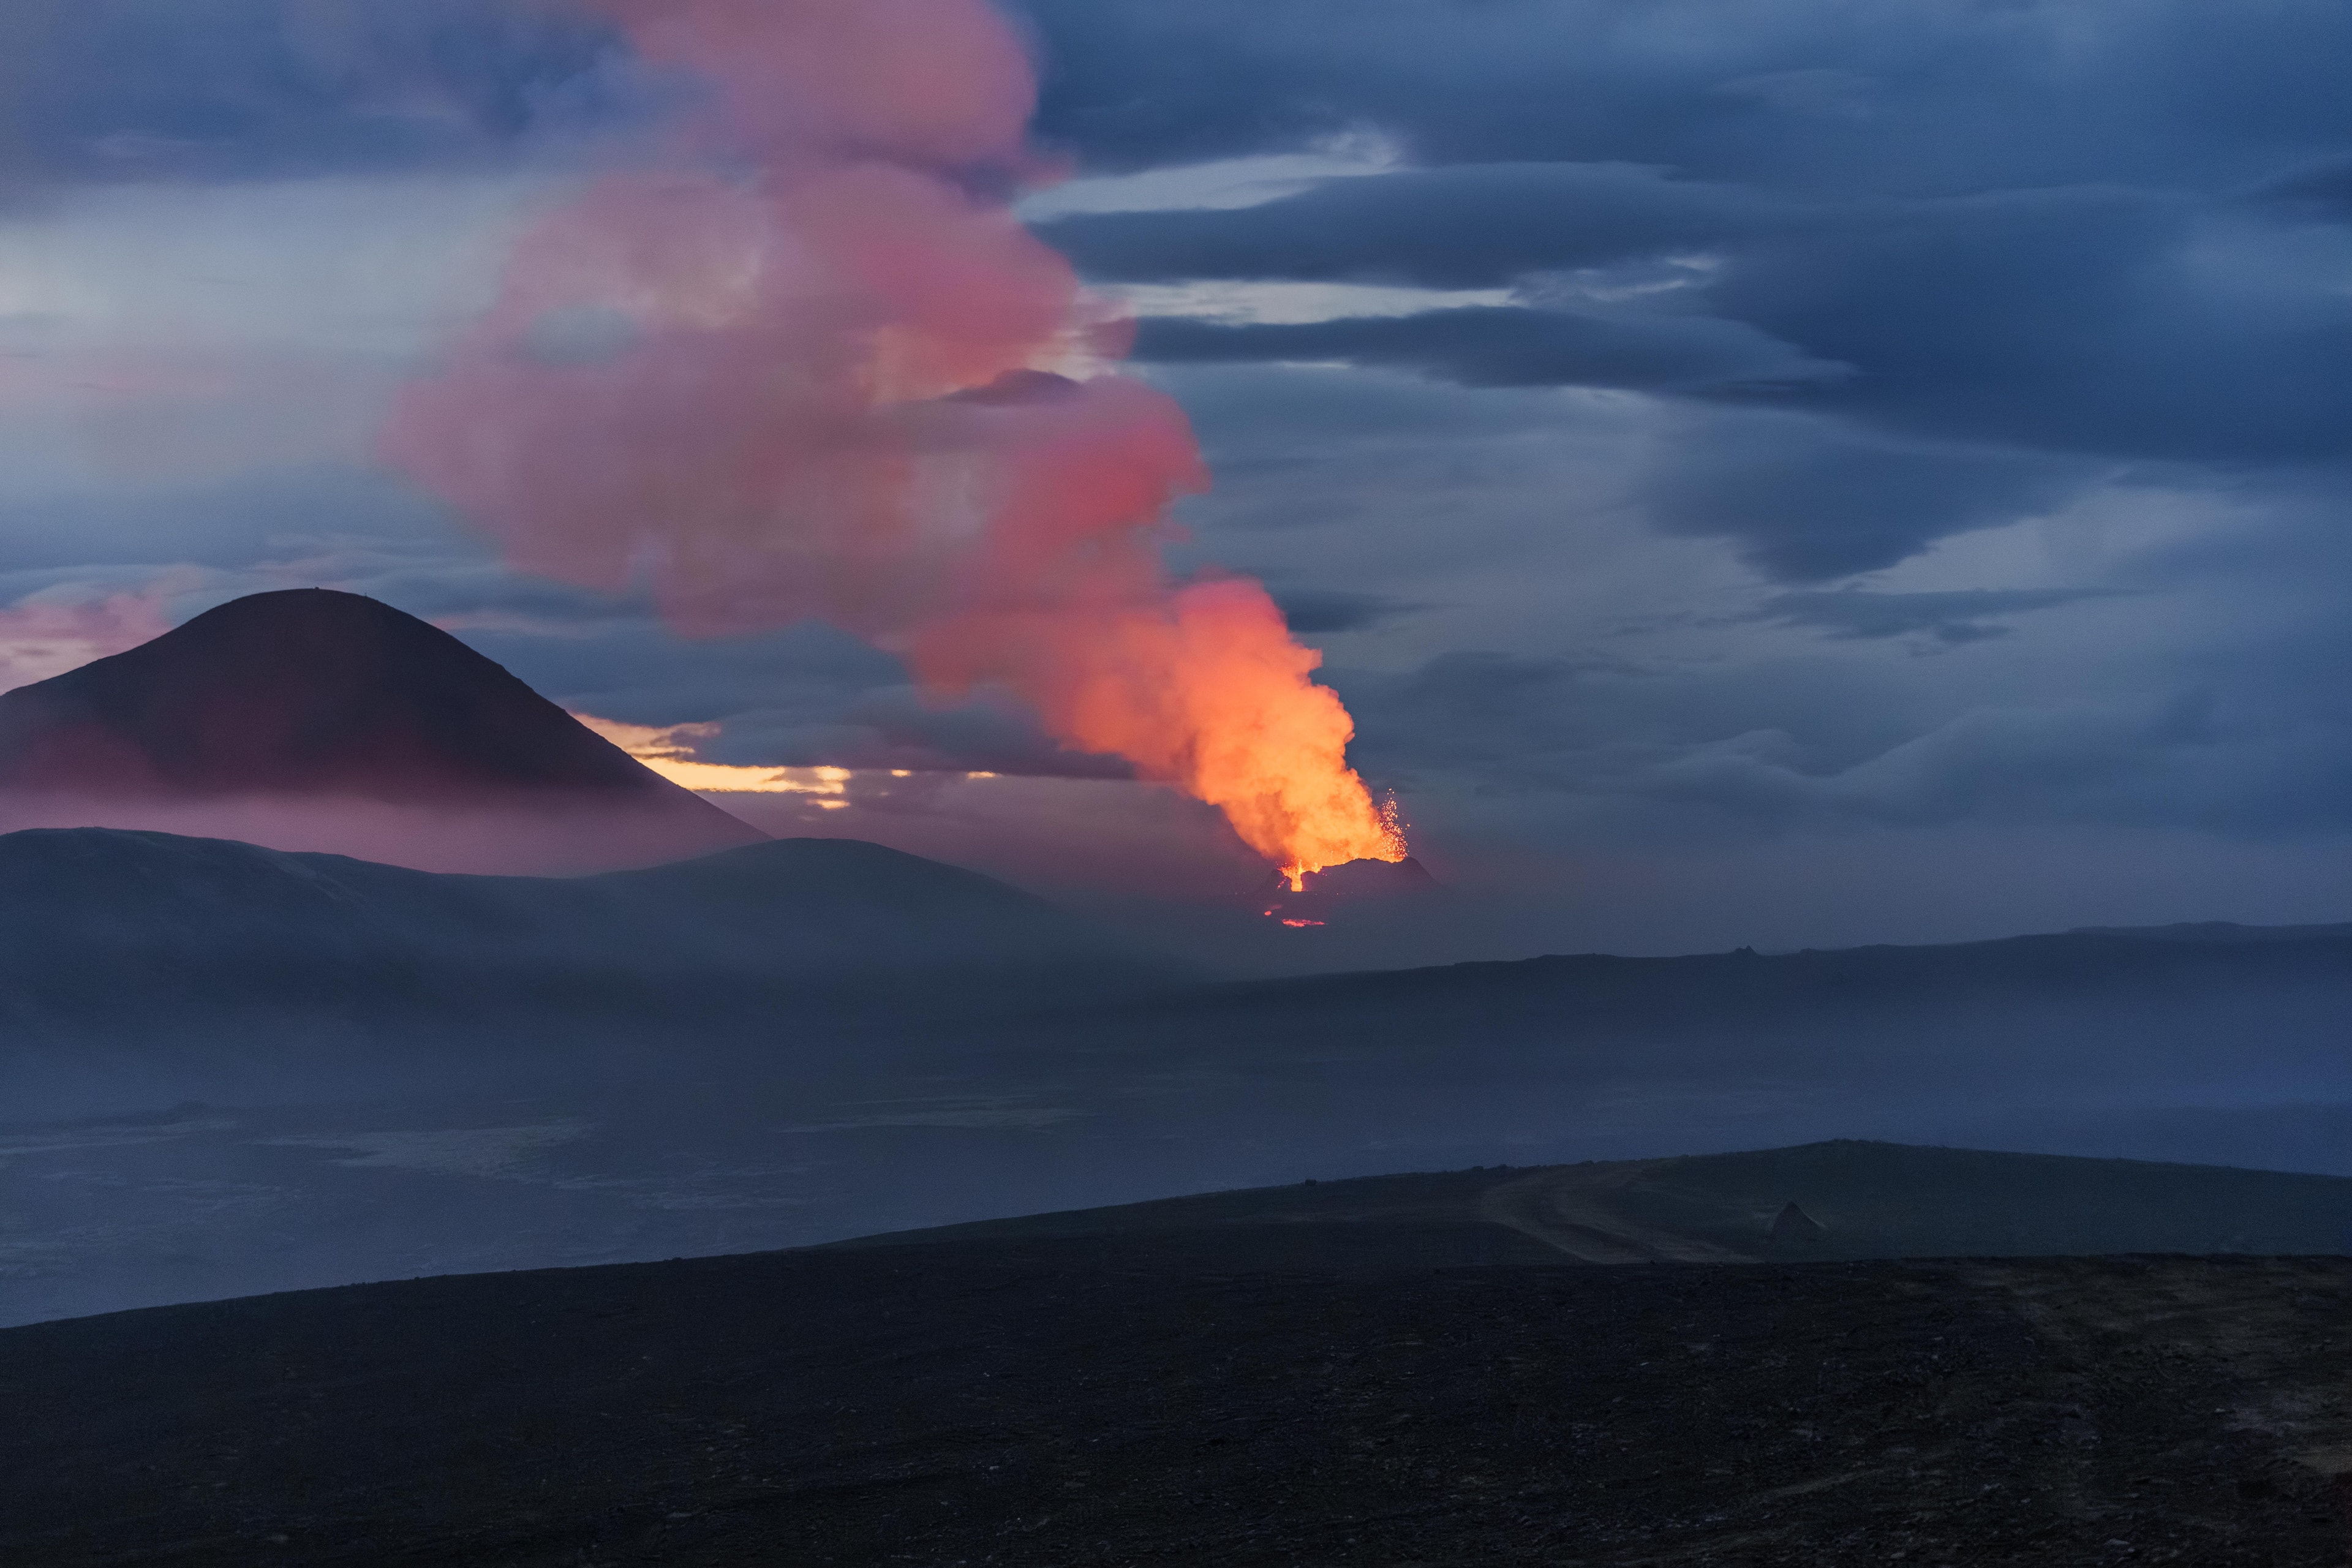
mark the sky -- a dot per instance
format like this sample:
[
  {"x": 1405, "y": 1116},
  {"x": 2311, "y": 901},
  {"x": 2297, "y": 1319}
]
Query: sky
[{"x": 1783, "y": 474}]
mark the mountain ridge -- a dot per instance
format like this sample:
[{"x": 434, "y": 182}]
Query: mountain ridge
[
  {"x": 182, "y": 951},
  {"x": 1880, "y": 1200},
  {"x": 322, "y": 719}
]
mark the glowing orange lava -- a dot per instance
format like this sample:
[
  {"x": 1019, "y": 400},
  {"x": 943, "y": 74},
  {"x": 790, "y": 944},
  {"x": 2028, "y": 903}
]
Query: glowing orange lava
[
  {"x": 1386, "y": 844},
  {"x": 1204, "y": 689}
]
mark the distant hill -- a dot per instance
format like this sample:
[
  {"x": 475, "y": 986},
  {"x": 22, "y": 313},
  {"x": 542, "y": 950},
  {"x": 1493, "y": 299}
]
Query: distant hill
[
  {"x": 2216, "y": 930},
  {"x": 184, "y": 950},
  {"x": 1851, "y": 1200},
  {"x": 173, "y": 947},
  {"x": 311, "y": 699},
  {"x": 2116, "y": 1001}
]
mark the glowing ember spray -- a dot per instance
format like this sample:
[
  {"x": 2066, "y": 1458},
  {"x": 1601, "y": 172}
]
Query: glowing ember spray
[{"x": 809, "y": 363}]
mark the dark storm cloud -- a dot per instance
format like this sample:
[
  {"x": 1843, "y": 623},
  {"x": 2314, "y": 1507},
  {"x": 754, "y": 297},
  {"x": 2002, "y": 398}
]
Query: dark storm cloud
[
  {"x": 1891, "y": 273},
  {"x": 470, "y": 590},
  {"x": 1692, "y": 756},
  {"x": 632, "y": 670},
  {"x": 1819, "y": 93},
  {"x": 2321, "y": 193},
  {"x": 2093, "y": 319},
  {"x": 1501, "y": 715},
  {"x": 1318, "y": 611},
  {"x": 1962, "y": 616},
  {"x": 2101, "y": 234},
  {"x": 108, "y": 89},
  {"x": 1807, "y": 500},
  {"x": 2195, "y": 695},
  {"x": 1507, "y": 346},
  {"x": 2147, "y": 761},
  {"x": 2186, "y": 685},
  {"x": 1460, "y": 227},
  {"x": 256, "y": 517}
]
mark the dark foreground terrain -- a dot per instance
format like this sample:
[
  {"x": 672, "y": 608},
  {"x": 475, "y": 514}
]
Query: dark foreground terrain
[
  {"x": 1193, "y": 1398},
  {"x": 1847, "y": 1200}
]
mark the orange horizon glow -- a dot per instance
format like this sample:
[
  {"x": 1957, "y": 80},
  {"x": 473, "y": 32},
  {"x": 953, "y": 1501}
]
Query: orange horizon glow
[{"x": 669, "y": 750}]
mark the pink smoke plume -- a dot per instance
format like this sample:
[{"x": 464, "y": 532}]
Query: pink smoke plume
[{"x": 806, "y": 362}]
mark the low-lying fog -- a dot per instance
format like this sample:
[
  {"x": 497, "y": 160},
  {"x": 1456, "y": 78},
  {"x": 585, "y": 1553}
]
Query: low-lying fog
[
  {"x": 541, "y": 1168},
  {"x": 178, "y": 1134}
]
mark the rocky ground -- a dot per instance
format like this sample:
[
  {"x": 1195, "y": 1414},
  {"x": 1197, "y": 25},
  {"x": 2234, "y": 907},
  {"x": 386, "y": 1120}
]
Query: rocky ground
[{"x": 1140, "y": 1400}]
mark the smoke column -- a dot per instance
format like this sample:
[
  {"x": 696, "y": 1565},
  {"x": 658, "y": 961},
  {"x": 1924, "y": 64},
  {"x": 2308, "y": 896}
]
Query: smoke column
[{"x": 803, "y": 361}]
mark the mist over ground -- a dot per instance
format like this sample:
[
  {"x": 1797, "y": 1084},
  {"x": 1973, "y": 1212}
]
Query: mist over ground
[
  {"x": 375, "y": 1073},
  {"x": 1770, "y": 479}
]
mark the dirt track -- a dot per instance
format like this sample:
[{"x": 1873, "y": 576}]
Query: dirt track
[
  {"x": 1089, "y": 1402},
  {"x": 1571, "y": 1210}
]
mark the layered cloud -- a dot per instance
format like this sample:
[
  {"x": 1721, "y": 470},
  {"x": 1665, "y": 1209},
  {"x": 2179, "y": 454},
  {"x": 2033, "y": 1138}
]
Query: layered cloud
[
  {"x": 1698, "y": 433},
  {"x": 1965, "y": 616},
  {"x": 1845, "y": 95},
  {"x": 144, "y": 91},
  {"x": 2087, "y": 319},
  {"x": 1999, "y": 240}
]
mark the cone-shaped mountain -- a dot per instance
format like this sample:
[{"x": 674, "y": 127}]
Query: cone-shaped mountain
[{"x": 313, "y": 692}]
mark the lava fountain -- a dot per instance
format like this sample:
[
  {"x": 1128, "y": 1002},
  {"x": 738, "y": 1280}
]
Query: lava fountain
[{"x": 801, "y": 359}]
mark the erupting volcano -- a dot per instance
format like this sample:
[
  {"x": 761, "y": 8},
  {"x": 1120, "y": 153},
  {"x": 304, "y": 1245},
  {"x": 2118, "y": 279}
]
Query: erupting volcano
[
  {"x": 804, "y": 360},
  {"x": 1312, "y": 898}
]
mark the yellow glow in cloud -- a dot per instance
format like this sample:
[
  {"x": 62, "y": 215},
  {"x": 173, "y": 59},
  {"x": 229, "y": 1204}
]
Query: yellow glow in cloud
[{"x": 669, "y": 752}]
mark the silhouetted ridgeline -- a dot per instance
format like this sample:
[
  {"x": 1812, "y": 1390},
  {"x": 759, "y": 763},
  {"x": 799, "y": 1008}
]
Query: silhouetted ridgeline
[
  {"x": 170, "y": 946},
  {"x": 323, "y": 719},
  {"x": 313, "y": 691},
  {"x": 178, "y": 950},
  {"x": 1852, "y": 1200},
  {"x": 2141, "y": 993}
]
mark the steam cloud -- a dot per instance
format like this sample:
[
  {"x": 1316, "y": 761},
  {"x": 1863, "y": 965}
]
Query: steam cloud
[{"x": 803, "y": 361}]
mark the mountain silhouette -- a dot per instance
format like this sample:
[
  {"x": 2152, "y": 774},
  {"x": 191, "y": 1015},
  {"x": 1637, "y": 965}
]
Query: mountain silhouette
[
  {"x": 313, "y": 695},
  {"x": 175, "y": 954}
]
